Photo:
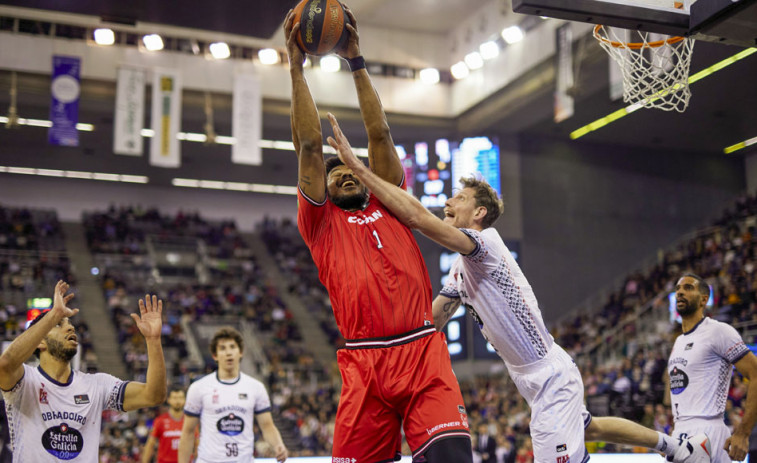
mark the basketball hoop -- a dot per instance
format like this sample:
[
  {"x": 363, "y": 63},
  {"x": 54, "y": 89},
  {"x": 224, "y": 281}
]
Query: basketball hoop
[{"x": 655, "y": 72}]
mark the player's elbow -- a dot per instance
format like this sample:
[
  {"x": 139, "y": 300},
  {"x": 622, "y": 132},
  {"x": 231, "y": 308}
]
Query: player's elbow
[
  {"x": 312, "y": 146},
  {"x": 378, "y": 131}
]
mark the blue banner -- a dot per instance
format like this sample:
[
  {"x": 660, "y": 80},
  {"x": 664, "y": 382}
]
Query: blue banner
[{"x": 64, "y": 108}]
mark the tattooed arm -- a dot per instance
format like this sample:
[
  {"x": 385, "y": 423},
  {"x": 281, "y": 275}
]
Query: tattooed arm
[{"x": 443, "y": 308}]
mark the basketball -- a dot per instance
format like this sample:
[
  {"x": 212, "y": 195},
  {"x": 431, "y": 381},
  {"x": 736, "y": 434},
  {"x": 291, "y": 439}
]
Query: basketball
[{"x": 322, "y": 26}]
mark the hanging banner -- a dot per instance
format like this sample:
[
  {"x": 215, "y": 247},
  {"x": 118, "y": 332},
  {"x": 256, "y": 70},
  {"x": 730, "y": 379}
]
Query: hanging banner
[
  {"x": 247, "y": 120},
  {"x": 64, "y": 107},
  {"x": 165, "y": 150},
  {"x": 130, "y": 112},
  {"x": 563, "y": 100}
]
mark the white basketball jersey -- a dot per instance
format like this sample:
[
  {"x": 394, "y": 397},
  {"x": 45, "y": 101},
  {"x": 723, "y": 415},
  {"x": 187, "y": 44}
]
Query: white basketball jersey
[
  {"x": 700, "y": 369},
  {"x": 492, "y": 286},
  {"x": 226, "y": 411},
  {"x": 52, "y": 422}
]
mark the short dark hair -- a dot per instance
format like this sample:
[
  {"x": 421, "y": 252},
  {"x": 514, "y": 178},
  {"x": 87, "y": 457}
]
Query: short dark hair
[
  {"x": 34, "y": 322},
  {"x": 226, "y": 333},
  {"x": 702, "y": 286},
  {"x": 485, "y": 197},
  {"x": 331, "y": 163},
  {"x": 177, "y": 388}
]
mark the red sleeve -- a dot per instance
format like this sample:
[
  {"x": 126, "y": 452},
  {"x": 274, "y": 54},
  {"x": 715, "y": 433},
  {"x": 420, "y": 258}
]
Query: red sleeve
[
  {"x": 156, "y": 431},
  {"x": 312, "y": 217}
]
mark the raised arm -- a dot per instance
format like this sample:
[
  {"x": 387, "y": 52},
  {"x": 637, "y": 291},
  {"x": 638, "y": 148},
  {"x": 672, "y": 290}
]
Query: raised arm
[
  {"x": 12, "y": 360},
  {"x": 272, "y": 436},
  {"x": 187, "y": 440},
  {"x": 382, "y": 156},
  {"x": 737, "y": 445},
  {"x": 306, "y": 126},
  {"x": 153, "y": 391},
  {"x": 403, "y": 205}
]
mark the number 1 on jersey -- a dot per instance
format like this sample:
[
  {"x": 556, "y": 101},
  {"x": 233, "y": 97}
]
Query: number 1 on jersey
[{"x": 375, "y": 233}]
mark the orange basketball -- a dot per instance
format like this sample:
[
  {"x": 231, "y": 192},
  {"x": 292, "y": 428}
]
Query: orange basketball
[{"x": 323, "y": 26}]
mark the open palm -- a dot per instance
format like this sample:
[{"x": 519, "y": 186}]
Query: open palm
[{"x": 150, "y": 318}]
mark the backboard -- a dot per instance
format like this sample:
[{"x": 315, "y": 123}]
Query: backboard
[{"x": 724, "y": 21}]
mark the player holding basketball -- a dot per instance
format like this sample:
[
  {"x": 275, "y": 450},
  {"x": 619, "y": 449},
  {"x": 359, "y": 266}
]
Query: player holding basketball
[
  {"x": 54, "y": 413},
  {"x": 700, "y": 374},
  {"x": 224, "y": 404},
  {"x": 395, "y": 368},
  {"x": 488, "y": 280},
  {"x": 166, "y": 429}
]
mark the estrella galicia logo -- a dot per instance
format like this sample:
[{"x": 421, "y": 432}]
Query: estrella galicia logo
[
  {"x": 231, "y": 425},
  {"x": 678, "y": 380},
  {"x": 63, "y": 442},
  {"x": 561, "y": 448}
]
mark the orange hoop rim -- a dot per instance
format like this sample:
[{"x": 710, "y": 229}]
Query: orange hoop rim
[{"x": 635, "y": 45}]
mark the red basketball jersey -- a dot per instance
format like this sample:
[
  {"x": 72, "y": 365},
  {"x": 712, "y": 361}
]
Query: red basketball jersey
[
  {"x": 168, "y": 432},
  {"x": 371, "y": 266}
]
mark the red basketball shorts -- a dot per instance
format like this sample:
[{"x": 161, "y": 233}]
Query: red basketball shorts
[{"x": 390, "y": 381}]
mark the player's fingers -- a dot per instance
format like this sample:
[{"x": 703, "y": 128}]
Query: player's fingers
[
  {"x": 134, "y": 317},
  {"x": 350, "y": 15},
  {"x": 67, "y": 298},
  {"x": 288, "y": 22},
  {"x": 727, "y": 444},
  {"x": 75, "y": 311},
  {"x": 154, "y": 303},
  {"x": 333, "y": 143},
  {"x": 160, "y": 306},
  {"x": 141, "y": 306}
]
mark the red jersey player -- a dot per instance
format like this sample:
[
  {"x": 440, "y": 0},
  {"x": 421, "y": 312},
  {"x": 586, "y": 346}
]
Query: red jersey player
[
  {"x": 395, "y": 366},
  {"x": 166, "y": 429}
]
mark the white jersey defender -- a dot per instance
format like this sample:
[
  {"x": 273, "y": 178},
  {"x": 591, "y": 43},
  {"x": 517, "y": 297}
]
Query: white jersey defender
[
  {"x": 52, "y": 422},
  {"x": 700, "y": 370},
  {"x": 494, "y": 289},
  {"x": 226, "y": 411}
]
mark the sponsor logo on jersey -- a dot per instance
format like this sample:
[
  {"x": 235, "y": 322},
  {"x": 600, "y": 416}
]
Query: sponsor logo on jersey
[
  {"x": 215, "y": 396},
  {"x": 63, "y": 442},
  {"x": 678, "y": 380},
  {"x": 439, "y": 427},
  {"x": 689, "y": 346},
  {"x": 562, "y": 448},
  {"x": 679, "y": 360},
  {"x": 230, "y": 425},
  {"x": 67, "y": 416},
  {"x": 81, "y": 399},
  {"x": 563, "y": 459},
  {"x": 242, "y": 396},
  {"x": 43, "y": 395},
  {"x": 365, "y": 219},
  {"x": 461, "y": 409}
]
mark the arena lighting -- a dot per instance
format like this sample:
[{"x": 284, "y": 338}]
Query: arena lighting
[
  {"x": 105, "y": 36},
  {"x": 269, "y": 144},
  {"x": 429, "y": 76},
  {"x": 512, "y": 34},
  {"x": 269, "y": 56},
  {"x": 152, "y": 42},
  {"x": 45, "y": 123},
  {"x": 219, "y": 50},
  {"x": 459, "y": 70},
  {"x": 75, "y": 174},
  {"x": 330, "y": 63},
  {"x": 614, "y": 116},
  {"x": 489, "y": 50},
  {"x": 739, "y": 146},
  {"x": 474, "y": 60},
  {"x": 234, "y": 186}
]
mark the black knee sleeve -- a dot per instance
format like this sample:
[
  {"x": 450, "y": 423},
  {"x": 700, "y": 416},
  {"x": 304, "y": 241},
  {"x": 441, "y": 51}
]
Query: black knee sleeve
[{"x": 450, "y": 450}]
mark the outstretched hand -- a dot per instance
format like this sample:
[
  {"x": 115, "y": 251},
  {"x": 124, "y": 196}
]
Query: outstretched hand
[
  {"x": 351, "y": 48},
  {"x": 291, "y": 29},
  {"x": 342, "y": 146},
  {"x": 150, "y": 318},
  {"x": 61, "y": 300}
]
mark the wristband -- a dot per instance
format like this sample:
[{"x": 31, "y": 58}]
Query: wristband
[{"x": 357, "y": 63}]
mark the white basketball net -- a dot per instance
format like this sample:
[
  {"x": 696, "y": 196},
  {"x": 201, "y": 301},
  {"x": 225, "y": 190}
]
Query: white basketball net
[{"x": 655, "y": 72}]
